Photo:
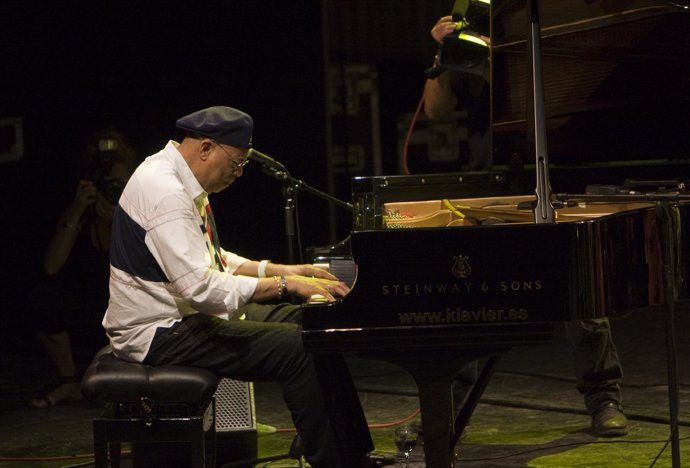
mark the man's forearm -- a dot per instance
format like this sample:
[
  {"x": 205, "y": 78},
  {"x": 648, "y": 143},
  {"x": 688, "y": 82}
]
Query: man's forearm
[{"x": 439, "y": 99}]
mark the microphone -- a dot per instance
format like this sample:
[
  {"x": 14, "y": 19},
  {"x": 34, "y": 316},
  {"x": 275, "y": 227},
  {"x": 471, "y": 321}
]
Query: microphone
[{"x": 265, "y": 160}]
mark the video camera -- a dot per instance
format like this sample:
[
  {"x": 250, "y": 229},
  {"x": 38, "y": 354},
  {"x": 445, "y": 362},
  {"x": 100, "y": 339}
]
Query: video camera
[{"x": 464, "y": 50}]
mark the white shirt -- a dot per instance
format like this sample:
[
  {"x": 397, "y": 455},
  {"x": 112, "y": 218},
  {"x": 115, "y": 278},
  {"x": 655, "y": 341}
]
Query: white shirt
[{"x": 161, "y": 266}]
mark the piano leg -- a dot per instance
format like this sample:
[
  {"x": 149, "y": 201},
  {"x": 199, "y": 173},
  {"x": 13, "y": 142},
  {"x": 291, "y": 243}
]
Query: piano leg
[
  {"x": 463, "y": 417},
  {"x": 434, "y": 374},
  {"x": 436, "y": 403}
]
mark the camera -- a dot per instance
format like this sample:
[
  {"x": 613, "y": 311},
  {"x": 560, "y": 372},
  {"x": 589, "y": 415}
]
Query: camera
[
  {"x": 110, "y": 187},
  {"x": 105, "y": 153},
  {"x": 464, "y": 50}
]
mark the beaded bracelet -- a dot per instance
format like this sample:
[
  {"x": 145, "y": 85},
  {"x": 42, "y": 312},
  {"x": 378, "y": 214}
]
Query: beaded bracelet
[{"x": 282, "y": 286}]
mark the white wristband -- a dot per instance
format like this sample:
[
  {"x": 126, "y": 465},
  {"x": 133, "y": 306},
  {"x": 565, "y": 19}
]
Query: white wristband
[{"x": 261, "y": 273}]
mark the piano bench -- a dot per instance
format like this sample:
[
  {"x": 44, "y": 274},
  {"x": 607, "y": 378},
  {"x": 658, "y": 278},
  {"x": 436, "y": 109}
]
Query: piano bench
[{"x": 162, "y": 411}]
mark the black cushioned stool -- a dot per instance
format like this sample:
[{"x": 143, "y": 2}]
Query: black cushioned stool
[{"x": 147, "y": 406}]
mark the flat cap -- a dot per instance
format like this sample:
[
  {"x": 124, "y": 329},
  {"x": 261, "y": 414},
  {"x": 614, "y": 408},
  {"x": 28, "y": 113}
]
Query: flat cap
[{"x": 224, "y": 124}]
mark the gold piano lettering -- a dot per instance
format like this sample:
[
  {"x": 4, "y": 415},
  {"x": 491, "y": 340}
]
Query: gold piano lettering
[
  {"x": 459, "y": 315},
  {"x": 428, "y": 289},
  {"x": 417, "y": 289},
  {"x": 522, "y": 285}
]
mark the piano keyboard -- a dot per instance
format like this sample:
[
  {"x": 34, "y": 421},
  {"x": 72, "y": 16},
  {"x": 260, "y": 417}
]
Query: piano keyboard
[{"x": 343, "y": 268}]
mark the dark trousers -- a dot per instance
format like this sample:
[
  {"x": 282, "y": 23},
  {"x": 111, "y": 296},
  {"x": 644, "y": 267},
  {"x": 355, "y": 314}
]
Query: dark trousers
[
  {"x": 267, "y": 347},
  {"x": 597, "y": 367},
  {"x": 598, "y": 370}
]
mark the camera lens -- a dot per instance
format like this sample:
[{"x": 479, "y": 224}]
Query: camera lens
[{"x": 111, "y": 188}]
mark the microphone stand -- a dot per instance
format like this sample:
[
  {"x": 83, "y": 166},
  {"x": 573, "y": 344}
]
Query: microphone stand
[
  {"x": 291, "y": 187},
  {"x": 544, "y": 210}
]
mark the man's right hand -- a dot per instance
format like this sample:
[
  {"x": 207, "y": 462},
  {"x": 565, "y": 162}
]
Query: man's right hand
[
  {"x": 442, "y": 28},
  {"x": 85, "y": 195},
  {"x": 306, "y": 286}
]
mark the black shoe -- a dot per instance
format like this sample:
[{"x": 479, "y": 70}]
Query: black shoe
[{"x": 609, "y": 421}]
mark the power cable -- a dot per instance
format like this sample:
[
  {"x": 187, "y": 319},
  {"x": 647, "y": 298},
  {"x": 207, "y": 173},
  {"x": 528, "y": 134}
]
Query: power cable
[{"x": 408, "y": 136}]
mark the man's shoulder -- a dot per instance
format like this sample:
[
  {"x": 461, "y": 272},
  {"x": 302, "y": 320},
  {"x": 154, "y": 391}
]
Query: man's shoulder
[
  {"x": 156, "y": 179},
  {"x": 154, "y": 187}
]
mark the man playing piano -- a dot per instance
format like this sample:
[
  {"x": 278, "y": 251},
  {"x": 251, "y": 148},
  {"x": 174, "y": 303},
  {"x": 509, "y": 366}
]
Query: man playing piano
[
  {"x": 595, "y": 359},
  {"x": 177, "y": 297}
]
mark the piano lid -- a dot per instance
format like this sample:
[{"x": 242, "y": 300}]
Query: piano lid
[{"x": 616, "y": 80}]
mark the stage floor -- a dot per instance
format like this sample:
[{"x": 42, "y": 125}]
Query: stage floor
[{"x": 530, "y": 415}]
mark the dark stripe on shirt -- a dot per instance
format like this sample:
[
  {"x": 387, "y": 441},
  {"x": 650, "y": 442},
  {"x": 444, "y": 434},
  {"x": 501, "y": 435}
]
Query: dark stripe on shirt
[{"x": 128, "y": 251}]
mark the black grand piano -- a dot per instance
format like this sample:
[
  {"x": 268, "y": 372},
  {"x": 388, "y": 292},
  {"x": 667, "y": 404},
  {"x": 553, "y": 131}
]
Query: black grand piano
[{"x": 443, "y": 272}]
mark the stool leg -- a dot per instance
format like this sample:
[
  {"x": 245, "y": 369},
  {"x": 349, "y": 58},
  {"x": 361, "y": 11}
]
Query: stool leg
[
  {"x": 115, "y": 452},
  {"x": 210, "y": 437},
  {"x": 100, "y": 445},
  {"x": 197, "y": 440}
]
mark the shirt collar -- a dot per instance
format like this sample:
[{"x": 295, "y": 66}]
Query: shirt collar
[{"x": 189, "y": 182}]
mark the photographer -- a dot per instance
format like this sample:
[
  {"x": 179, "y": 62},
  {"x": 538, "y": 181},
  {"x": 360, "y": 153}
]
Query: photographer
[
  {"x": 453, "y": 90},
  {"x": 72, "y": 289}
]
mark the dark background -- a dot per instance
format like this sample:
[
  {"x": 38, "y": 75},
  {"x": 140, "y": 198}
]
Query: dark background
[
  {"x": 69, "y": 68},
  {"x": 73, "y": 67}
]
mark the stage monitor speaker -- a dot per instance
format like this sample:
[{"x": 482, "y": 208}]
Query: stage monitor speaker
[{"x": 236, "y": 435}]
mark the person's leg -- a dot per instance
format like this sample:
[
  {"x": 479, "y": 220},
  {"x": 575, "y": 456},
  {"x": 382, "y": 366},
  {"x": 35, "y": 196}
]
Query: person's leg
[
  {"x": 598, "y": 374},
  {"x": 336, "y": 386},
  {"x": 267, "y": 347},
  {"x": 49, "y": 307},
  {"x": 59, "y": 350}
]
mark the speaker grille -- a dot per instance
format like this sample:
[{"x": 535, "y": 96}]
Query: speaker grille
[{"x": 234, "y": 406}]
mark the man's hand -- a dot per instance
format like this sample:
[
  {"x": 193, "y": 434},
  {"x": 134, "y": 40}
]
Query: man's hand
[
  {"x": 442, "y": 28},
  {"x": 306, "y": 286},
  {"x": 301, "y": 280},
  {"x": 308, "y": 270},
  {"x": 85, "y": 195},
  {"x": 446, "y": 26}
]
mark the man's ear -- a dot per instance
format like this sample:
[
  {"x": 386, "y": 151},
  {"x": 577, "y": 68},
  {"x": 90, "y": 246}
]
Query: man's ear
[{"x": 205, "y": 148}]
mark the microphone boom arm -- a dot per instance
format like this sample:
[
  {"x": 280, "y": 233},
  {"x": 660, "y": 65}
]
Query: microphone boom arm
[
  {"x": 297, "y": 184},
  {"x": 280, "y": 172},
  {"x": 290, "y": 188}
]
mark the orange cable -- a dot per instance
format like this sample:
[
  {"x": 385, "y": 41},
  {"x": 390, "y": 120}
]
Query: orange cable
[
  {"x": 406, "y": 168},
  {"x": 395, "y": 423}
]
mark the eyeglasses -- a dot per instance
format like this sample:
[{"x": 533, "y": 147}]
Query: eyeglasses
[{"x": 236, "y": 166}]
